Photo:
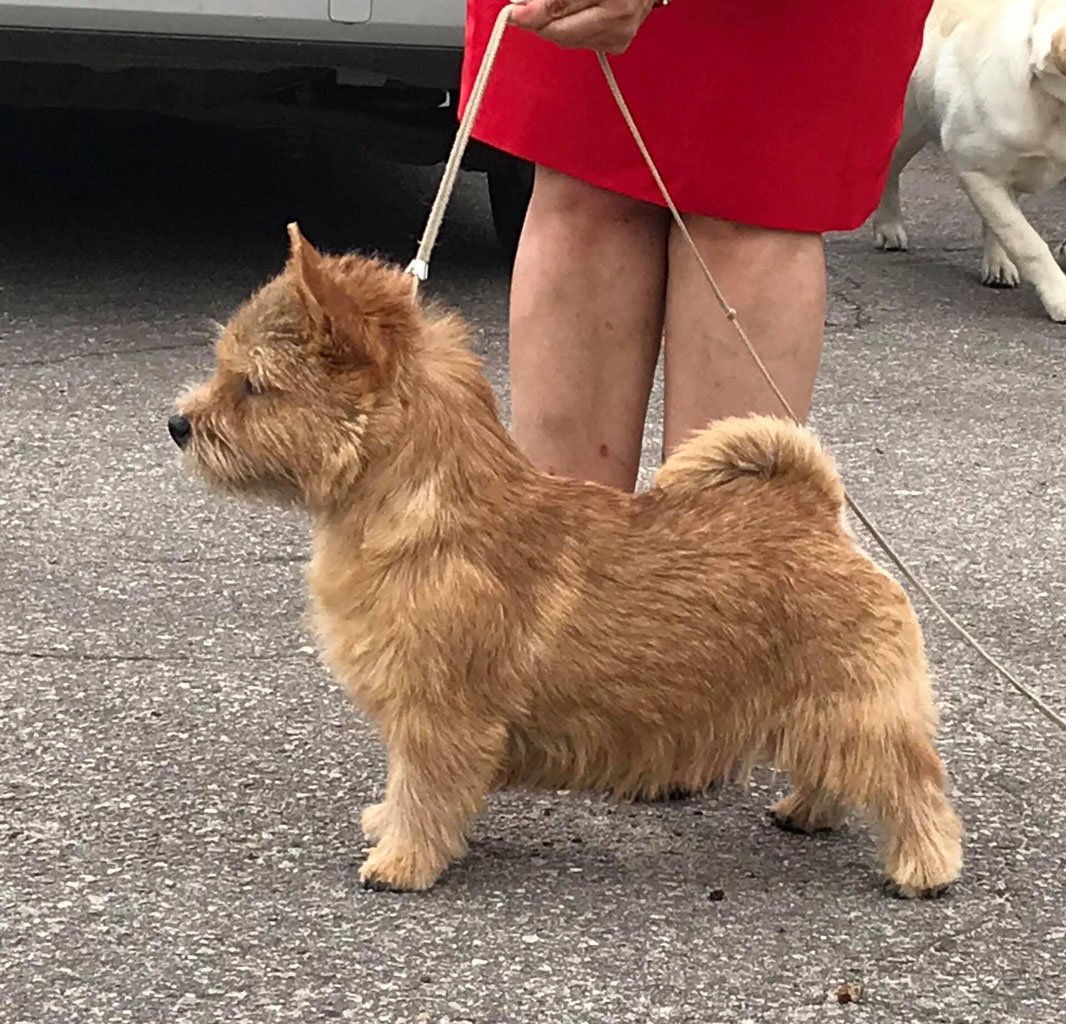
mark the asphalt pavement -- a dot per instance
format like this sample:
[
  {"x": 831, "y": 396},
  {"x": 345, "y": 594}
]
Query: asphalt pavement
[{"x": 180, "y": 781}]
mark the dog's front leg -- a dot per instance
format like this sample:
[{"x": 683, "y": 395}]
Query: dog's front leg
[
  {"x": 1021, "y": 242},
  {"x": 997, "y": 270},
  {"x": 439, "y": 774}
]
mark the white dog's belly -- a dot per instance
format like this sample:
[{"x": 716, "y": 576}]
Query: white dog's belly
[{"x": 1036, "y": 174}]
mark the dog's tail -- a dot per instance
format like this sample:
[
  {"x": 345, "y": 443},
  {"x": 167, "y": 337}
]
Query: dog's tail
[{"x": 754, "y": 450}]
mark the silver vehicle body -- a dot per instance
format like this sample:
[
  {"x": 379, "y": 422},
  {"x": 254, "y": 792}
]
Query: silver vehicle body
[
  {"x": 415, "y": 39},
  {"x": 383, "y": 22},
  {"x": 382, "y": 74}
]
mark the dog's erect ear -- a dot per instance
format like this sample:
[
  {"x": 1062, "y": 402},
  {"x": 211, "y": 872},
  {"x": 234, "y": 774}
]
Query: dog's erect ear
[
  {"x": 306, "y": 264},
  {"x": 333, "y": 309}
]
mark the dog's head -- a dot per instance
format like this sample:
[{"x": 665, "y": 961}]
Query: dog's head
[{"x": 305, "y": 392}]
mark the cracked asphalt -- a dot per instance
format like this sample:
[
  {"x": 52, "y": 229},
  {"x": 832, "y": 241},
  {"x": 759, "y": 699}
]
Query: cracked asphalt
[{"x": 180, "y": 782}]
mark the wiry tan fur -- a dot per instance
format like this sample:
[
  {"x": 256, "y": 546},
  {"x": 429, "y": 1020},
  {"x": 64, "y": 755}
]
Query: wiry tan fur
[{"x": 505, "y": 628}]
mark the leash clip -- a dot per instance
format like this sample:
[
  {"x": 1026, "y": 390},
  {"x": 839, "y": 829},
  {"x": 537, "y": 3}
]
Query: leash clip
[{"x": 418, "y": 268}]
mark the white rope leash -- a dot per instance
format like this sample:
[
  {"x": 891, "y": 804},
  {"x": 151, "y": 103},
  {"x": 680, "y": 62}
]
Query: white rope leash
[
  {"x": 419, "y": 269},
  {"x": 419, "y": 266}
]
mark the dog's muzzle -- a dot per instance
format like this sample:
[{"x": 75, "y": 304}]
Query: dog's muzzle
[{"x": 180, "y": 429}]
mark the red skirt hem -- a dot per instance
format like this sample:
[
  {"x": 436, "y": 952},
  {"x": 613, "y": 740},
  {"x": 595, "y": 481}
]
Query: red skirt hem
[{"x": 781, "y": 119}]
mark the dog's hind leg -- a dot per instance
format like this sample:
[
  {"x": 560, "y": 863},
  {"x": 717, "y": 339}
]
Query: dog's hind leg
[
  {"x": 875, "y": 761},
  {"x": 923, "y": 851},
  {"x": 889, "y": 231},
  {"x": 439, "y": 776}
]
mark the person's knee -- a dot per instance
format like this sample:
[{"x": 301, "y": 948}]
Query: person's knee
[
  {"x": 582, "y": 207},
  {"x": 751, "y": 241}
]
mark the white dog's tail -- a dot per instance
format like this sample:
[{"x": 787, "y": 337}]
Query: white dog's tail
[{"x": 755, "y": 449}]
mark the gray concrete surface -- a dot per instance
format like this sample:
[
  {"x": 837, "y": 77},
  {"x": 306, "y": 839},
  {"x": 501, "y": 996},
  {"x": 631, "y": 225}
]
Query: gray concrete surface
[{"x": 180, "y": 782}]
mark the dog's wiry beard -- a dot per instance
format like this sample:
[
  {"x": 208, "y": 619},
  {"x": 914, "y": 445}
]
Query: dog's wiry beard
[
  {"x": 223, "y": 463},
  {"x": 262, "y": 462}
]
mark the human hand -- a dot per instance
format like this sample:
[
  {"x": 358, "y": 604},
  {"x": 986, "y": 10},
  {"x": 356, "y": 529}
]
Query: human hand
[{"x": 604, "y": 25}]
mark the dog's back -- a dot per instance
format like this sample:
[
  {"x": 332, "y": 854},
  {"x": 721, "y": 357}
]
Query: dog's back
[{"x": 731, "y": 595}]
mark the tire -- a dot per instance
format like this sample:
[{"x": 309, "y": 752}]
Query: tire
[{"x": 510, "y": 186}]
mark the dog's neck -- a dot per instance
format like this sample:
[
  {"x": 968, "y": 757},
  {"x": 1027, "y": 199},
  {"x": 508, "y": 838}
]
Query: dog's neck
[{"x": 452, "y": 458}]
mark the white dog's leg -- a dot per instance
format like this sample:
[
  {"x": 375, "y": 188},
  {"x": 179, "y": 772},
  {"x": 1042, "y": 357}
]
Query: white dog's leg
[
  {"x": 888, "y": 218},
  {"x": 1028, "y": 251},
  {"x": 997, "y": 270}
]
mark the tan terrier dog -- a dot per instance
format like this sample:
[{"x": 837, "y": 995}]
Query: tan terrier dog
[{"x": 506, "y": 628}]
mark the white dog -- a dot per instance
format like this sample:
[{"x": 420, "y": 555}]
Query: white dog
[{"x": 990, "y": 87}]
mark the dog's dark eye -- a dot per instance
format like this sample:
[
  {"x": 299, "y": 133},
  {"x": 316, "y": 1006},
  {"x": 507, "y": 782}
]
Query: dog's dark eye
[{"x": 250, "y": 387}]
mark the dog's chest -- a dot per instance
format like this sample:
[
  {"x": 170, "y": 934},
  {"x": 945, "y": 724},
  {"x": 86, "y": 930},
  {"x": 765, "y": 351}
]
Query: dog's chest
[
  {"x": 390, "y": 628},
  {"x": 361, "y": 633},
  {"x": 1014, "y": 133}
]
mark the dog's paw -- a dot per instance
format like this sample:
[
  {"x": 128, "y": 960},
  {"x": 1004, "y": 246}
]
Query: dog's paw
[
  {"x": 806, "y": 813},
  {"x": 905, "y": 892},
  {"x": 796, "y": 827},
  {"x": 997, "y": 271},
  {"x": 677, "y": 794},
  {"x": 1055, "y": 305},
  {"x": 393, "y": 871},
  {"x": 667, "y": 796},
  {"x": 925, "y": 870},
  {"x": 890, "y": 235},
  {"x": 1060, "y": 253},
  {"x": 673, "y": 795},
  {"x": 374, "y": 822}
]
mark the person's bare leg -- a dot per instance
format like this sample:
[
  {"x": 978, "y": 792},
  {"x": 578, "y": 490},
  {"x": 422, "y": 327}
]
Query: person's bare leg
[
  {"x": 586, "y": 325},
  {"x": 776, "y": 282}
]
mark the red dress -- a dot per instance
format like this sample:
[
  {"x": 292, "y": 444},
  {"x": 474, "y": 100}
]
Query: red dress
[{"x": 779, "y": 113}]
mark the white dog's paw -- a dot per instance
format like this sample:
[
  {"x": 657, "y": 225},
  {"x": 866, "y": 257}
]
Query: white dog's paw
[
  {"x": 997, "y": 271},
  {"x": 890, "y": 235},
  {"x": 1055, "y": 306}
]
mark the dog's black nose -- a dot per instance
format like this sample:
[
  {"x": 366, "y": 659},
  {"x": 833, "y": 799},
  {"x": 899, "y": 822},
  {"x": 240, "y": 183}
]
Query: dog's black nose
[{"x": 180, "y": 429}]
